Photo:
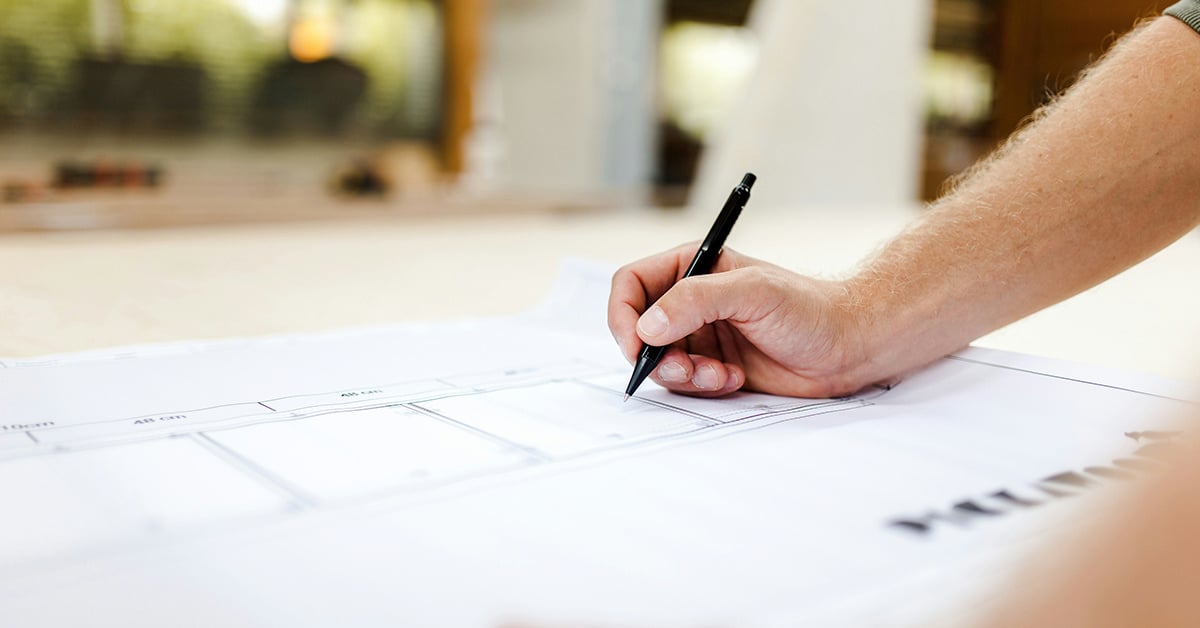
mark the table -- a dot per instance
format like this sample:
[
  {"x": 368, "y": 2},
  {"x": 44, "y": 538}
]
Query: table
[{"x": 81, "y": 290}]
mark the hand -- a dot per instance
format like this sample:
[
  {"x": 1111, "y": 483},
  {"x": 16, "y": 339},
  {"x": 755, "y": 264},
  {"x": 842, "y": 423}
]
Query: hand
[{"x": 748, "y": 325}]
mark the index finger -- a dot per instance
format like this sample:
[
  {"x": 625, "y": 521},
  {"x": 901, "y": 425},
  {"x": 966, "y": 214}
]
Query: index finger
[{"x": 635, "y": 286}]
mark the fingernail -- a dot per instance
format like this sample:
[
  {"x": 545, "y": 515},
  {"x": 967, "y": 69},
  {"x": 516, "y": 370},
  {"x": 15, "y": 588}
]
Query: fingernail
[
  {"x": 705, "y": 378},
  {"x": 672, "y": 372},
  {"x": 654, "y": 322}
]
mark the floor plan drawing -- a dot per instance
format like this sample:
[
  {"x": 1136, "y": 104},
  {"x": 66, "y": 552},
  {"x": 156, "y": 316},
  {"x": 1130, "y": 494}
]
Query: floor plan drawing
[{"x": 486, "y": 471}]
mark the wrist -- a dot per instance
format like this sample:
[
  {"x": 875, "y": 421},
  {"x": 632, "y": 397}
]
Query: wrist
[
  {"x": 858, "y": 344},
  {"x": 876, "y": 345}
]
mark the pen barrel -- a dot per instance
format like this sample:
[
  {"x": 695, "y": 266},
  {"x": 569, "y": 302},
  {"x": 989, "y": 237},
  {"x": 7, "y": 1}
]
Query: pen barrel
[
  {"x": 647, "y": 362},
  {"x": 701, "y": 264},
  {"x": 652, "y": 354},
  {"x": 710, "y": 249}
]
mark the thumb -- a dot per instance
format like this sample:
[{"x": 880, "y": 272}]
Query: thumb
[{"x": 697, "y": 301}]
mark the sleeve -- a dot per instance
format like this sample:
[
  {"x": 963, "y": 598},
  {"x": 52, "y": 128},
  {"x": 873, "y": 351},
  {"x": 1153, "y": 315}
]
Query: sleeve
[{"x": 1186, "y": 10}]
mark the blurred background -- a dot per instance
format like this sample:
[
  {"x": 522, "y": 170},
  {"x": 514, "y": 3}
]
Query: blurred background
[{"x": 144, "y": 113}]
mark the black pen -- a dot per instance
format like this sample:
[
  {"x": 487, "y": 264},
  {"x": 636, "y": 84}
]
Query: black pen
[{"x": 702, "y": 264}]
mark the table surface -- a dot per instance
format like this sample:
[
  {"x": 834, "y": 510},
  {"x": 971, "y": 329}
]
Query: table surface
[{"x": 74, "y": 291}]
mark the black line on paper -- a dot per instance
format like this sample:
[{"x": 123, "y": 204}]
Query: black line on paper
[
  {"x": 1064, "y": 378},
  {"x": 297, "y": 497}
]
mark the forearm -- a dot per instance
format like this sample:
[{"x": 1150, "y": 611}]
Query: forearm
[
  {"x": 1132, "y": 563},
  {"x": 1104, "y": 178}
]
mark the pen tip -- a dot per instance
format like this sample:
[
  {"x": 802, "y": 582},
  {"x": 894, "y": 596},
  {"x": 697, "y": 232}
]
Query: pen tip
[
  {"x": 748, "y": 180},
  {"x": 626, "y": 398}
]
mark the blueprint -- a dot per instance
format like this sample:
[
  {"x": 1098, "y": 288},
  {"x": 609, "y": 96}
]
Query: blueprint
[{"x": 486, "y": 471}]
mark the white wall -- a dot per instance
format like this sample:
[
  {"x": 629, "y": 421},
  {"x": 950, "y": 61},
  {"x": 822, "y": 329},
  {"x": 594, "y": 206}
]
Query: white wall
[
  {"x": 832, "y": 115},
  {"x": 573, "y": 86}
]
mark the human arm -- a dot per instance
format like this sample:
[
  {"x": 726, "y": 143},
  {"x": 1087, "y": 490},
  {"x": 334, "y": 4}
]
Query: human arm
[
  {"x": 1130, "y": 561},
  {"x": 1103, "y": 178}
]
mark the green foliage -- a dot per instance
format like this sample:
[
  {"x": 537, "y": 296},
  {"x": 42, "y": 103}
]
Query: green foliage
[
  {"x": 396, "y": 42},
  {"x": 39, "y": 42},
  {"x": 213, "y": 34}
]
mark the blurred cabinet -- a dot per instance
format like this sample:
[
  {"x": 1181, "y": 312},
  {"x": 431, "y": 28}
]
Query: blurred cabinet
[
  {"x": 1044, "y": 45},
  {"x": 1033, "y": 50}
]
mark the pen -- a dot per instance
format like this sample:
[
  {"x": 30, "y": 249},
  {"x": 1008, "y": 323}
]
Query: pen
[{"x": 702, "y": 264}]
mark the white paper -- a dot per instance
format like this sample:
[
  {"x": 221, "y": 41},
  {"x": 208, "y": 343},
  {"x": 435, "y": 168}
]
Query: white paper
[{"x": 477, "y": 472}]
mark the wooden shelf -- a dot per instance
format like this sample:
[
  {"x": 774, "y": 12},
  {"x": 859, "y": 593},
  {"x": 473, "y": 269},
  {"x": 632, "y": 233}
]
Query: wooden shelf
[{"x": 1036, "y": 50}]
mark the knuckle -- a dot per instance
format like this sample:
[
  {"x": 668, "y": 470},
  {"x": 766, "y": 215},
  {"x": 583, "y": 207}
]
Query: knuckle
[
  {"x": 621, "y": 273},
  {"x": 685, "y": 252},
  {"x": 757, "y": 275},
  {"x": 690, "y": 292},
  {"x": 767, "y": 279},
  {"x": 736, "y": 260}
]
